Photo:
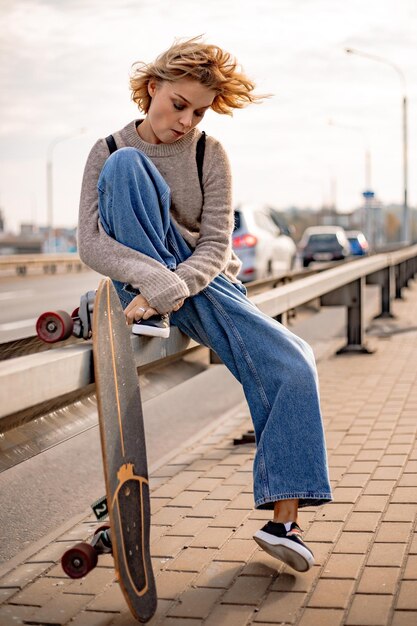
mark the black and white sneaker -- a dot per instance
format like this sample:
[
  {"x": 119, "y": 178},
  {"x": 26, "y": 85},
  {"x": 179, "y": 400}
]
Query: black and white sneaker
[
  {"x": 284, "y": 542},
  {"x": 155, "y": 326}
]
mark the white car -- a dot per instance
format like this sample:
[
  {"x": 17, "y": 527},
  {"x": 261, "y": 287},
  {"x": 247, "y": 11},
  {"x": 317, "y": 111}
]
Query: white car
[{"x": 261, "y": 245}]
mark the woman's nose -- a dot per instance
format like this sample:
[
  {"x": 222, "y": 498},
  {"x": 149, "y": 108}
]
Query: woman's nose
[{"x": 186, "y": 120}]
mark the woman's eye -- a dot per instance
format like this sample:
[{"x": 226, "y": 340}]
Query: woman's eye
[
  {"x": 178, "y": 107},
  {"x": 198, "y": 114}
]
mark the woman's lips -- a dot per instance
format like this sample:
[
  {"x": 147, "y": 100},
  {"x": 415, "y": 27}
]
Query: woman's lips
[{"x": 177, "y": 133}]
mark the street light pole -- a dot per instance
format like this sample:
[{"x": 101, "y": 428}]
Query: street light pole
[
  {"x": 406, "y": 216},
  {"x": 49, "y": 182}
]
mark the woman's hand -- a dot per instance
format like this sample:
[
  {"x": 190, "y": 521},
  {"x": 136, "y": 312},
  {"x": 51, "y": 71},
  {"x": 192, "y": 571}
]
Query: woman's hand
[{"x": 139, "y": 309}]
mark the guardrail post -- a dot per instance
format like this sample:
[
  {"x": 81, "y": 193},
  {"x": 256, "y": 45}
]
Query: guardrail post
[
  {"x": 351, "y": 296},
  {"x": 400, "y": 280},
  {"x": 385, "y": 279}
]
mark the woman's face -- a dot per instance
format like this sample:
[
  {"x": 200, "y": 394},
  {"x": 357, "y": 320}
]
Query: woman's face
[{"x": 176, "y": 108}]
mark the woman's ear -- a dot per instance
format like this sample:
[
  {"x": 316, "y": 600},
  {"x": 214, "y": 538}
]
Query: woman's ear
[{"x": 152, "y": 87}]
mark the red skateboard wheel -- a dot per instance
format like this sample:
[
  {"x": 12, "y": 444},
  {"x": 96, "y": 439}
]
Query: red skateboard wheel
[
  {"x": 79, "y": 560},
  {"x": 54, "y": 326}
]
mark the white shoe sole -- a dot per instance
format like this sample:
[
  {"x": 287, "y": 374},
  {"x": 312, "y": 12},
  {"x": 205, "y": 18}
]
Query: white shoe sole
[
  {"x": 286, "y": 550},
  {"x": 150, "y": 331}
]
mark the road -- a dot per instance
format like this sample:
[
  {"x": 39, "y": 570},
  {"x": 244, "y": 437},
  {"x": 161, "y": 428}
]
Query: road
[{"x": 23, "y": 299}]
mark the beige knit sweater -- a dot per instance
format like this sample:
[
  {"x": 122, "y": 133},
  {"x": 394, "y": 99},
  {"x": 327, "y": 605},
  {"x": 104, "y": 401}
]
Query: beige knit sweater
[{"x": 207, "y": 228}]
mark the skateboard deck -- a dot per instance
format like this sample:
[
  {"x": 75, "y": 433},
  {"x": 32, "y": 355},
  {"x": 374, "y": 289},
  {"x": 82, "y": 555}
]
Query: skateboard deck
[{"x": 124, "y": 452}]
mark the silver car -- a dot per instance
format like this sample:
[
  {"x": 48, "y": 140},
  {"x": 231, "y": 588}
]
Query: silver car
[{"x": 260, "y": 244}]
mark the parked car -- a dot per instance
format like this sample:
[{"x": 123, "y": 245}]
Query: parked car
[
  {"x": 260, "y": 244},
  {"x": 358, "y": 243},
  {"x": 323, "y": 243}
]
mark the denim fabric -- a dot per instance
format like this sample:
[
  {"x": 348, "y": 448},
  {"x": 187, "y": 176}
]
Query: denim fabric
[{"x": 275, "y": 367}]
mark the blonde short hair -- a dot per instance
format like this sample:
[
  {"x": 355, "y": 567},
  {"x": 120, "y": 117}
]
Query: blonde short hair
[{"x": 208, "y": 64}]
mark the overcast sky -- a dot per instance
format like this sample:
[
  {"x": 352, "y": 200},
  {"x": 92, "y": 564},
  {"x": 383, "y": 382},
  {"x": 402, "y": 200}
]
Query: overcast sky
[{"x": 64, "y": 66}]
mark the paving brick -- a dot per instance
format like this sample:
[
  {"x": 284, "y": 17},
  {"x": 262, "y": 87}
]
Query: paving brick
[
  {"x": 192, "y": 560},
  {"x": 61, "y": 608},
  {"x": 379, "y": 487},
  {"x": 40, "y": 591},
  {"x": 230, "y": 518},
  {"x": 169, "y": 546},
  {"x": 92, "y": 584},
  {"x": 262, "y": 564},
  {"x": 196, "y": 603},
  {"x": 247, "y": 530},
  {"x": 386, "y": 473},
  {"x": 406, "y": 495},
  {"x": 320, "y": 550},
  {"x": 229, "y": 615},
  {"x": 407, "y": 598},
  {"x": 169, "y": 490},
  {"x": 14, "y": 615},
  {"x": 212, "y": 538},
  {"x": 393, "y": 460},
  {"x": 400, "y": 513},
  {"x": 242, "y": 501},
  {"x": 321, "y": 617},
  {"x": 362, "y": 467},
  {"x": 362, "y": 522},
  {"x": 225, "y": 492},
  {"x": 280, "y": 607},
  {"x": 188, "y": 499},
  {"x": 408, "y": 480},
  {"x": 111, "y": 600},
  {"x": 168, "y": 470},
  {"x": 157, "y": 504},
  {"x": 170, "y": 584},
  {"x": 346, "y": 494},
  {"x": 221, "y": 471},
  {"x": 51, "y": 552},
  {"x": 386, "y": 555},
  {"x": 7, "y": 593},
  {"x": 184, "y": 478},
  {"x": 237, "y": 550},
  {"x": 335, "y": 512},
  {"x": 290, "y": 581},
  {"x": 390, "y": 532},
  {"x": 410, "y": 572},
  {"x": 91, "y": 618},
  {"x": 177, "y": 621},
  {"x": 187, "y": 526},
  {"x": 168, "y": 516},
  {"x": 323, "y": 531},
  {"x": 23, "y": 574},
  {"x": 207, "y": 508},
  {"x": 205, "y": 484},
  {"x": 404, "y": 618},
  {"x": 332, "y": 593},
  {"x": 371, "y": 503},
  {"x": 368, "y": 610},
  {"x": 376, "y": 580},
  {"x": 218, "y": 574},
  {"x": 247, "y": 590},
  {"x": 342, "y": 565},
  {"x": 239, "y": 478}
]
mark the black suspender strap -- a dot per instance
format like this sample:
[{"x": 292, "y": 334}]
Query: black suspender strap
[
  {"x": 199, "y": 155},
  {"x": 201, "y": 147},
  {"x": 111, "y": 144}
]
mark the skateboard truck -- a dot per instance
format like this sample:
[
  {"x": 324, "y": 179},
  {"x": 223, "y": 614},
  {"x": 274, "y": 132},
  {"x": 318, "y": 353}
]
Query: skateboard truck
[
  {"x": 54, "y": 326},
  {"x": 79, "y": 560}
]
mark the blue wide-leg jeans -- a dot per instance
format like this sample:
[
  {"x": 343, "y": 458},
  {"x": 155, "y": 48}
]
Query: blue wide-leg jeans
[{"x": 275, "y": 367}]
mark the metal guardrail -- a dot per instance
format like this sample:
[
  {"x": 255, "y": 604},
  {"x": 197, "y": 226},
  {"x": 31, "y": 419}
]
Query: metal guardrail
[
  {"x": 49, "y": 263},
  {"x": 30, "y": 380}
]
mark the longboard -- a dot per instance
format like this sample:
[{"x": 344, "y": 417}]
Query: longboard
[{"x": 124, "y": 458}]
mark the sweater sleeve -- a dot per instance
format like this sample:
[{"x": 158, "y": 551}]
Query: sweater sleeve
[
  {"x": 213, "y": 248},
  {"x": 161, "y": 287}
]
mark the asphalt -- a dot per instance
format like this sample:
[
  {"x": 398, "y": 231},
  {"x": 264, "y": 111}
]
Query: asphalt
[{"x": 209, "y": 570}]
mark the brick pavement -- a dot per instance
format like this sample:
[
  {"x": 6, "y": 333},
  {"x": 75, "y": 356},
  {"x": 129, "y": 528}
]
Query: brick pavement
[{"x": 209, "y": 570}]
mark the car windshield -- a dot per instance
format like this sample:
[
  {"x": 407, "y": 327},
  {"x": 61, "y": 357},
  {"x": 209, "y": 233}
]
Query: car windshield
[{"x": 322, "y": 238}]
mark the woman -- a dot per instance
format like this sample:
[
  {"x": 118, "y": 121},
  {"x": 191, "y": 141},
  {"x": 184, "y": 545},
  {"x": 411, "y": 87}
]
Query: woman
[{"x": 162, "y": 231}]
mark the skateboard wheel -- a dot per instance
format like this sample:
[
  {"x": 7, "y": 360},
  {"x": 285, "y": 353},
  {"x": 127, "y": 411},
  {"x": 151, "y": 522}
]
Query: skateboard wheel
[
  {"x": 101, "y": 528},
  {"x": 54, "y": 326},
  {"x": 79, "y": 560}
]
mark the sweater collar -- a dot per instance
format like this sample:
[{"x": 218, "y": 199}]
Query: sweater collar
[{"x": 157, "y": 149}]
